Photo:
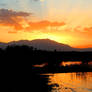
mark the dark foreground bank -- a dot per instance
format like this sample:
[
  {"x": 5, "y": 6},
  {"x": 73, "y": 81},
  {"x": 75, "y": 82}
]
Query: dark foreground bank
[{"x": 18, "y": 75}]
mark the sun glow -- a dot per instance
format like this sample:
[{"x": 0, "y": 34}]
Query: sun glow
[{"x": 40, "y": 35}]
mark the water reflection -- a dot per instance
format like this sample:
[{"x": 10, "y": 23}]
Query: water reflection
[
  {"x": 69, "y": 63},
  {"x": 40, "y": 65},
  {"x": 63, "y": 63},
  {"x": 70, "y": 82},
  {"x": 90, "y": 62}
]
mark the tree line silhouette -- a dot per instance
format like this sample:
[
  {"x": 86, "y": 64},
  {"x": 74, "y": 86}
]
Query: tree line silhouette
[
  {"x": 36, "y": 56},
  {"x": 21, "y": 58}
]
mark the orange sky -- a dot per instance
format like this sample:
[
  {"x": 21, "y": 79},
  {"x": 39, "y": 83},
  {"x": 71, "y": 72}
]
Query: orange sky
[
  {"x": 59, "y": 31},
  {"x": 69, "y": 24}
]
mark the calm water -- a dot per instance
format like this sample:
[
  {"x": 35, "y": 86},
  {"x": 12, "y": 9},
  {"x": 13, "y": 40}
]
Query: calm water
[{"x": 70, "y": 82}]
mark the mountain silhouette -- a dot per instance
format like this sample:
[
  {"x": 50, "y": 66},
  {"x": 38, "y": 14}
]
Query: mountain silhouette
[
  {"x": 44, "y": 44},
  {"x": 3, "y": 45}
]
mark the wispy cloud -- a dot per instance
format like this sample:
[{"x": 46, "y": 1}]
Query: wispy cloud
[
  {"x": 3, "y": 4},
  {"x": 41, "y": 25},
  {"x": 12, "y": 18}
]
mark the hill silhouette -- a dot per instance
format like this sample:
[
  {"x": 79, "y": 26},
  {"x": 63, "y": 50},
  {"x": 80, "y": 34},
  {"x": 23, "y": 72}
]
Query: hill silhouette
[{"x": 44, "y": 44}]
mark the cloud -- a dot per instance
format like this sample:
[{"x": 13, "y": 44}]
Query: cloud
[
  {"x": 18, "y": 21},
  {"x": 88, "y": 29},
  {"x": 12, "y": 18},
  {"x": 12, "y": 32},
  {"x": 43, "y": 25},
  {"x": 3, "y": 4}
]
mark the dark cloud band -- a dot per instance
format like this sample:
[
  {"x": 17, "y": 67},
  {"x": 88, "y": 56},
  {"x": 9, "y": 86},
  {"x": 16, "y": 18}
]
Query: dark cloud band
[{"x": 12, "y": 18}]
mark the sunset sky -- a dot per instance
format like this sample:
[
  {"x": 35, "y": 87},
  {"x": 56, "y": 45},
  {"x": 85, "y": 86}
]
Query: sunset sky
[{"x": 65, "y": 21}]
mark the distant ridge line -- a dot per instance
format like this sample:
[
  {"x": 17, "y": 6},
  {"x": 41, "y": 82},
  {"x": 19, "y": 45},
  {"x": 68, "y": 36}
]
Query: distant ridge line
[{"x": 44, "y": 44}]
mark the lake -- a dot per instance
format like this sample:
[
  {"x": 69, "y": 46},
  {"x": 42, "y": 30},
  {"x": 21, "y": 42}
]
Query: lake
[
  {"x": 68, "y": 82},
  {"x": 63, "y": 82}
]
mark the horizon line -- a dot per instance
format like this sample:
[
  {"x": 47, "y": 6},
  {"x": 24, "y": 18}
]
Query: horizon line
[{"x": 79, "y": 47}]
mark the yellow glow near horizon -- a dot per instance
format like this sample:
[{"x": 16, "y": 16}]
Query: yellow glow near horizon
[{"x": 38, "y": 35}]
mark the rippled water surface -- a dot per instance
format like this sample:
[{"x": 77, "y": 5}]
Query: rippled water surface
[{"x": 70, "y": 82}]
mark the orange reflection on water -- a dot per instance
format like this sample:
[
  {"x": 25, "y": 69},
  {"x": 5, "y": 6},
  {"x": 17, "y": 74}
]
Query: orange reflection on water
[
  {"x": 40, "y": 65},
  {"x": 71, "y": 82},
  {"x": 90, "y": 63},
  {"x": 68, "y": 63}
]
